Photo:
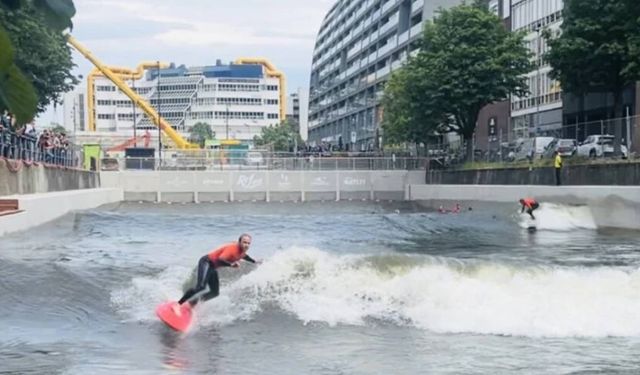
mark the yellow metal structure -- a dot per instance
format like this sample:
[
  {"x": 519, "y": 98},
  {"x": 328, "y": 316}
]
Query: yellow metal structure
[
  {"x": 123, "y": 73},
  {"x": 271, "y": 72},
  {"x": 139, "y": 101}
]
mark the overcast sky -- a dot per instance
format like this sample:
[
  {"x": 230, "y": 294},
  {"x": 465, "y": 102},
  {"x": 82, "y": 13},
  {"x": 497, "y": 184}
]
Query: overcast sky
[{"x": 197, "y": 32}]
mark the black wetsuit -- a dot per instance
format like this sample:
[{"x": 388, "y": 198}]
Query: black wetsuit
[
  {"x": 207, "y": 275},
  {"x": 534, "y": 206}
]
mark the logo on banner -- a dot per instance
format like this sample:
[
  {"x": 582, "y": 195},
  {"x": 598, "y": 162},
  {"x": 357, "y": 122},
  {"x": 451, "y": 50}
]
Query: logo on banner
[
  {"x": 212, "y": 182},
  {"x": 177, "y": 182},
  {"x": 249, "y": 181},
  {"x": 320, "y": 181},
  {"x": 284, "y": 180},
  {"x": 350, "y": 181}
]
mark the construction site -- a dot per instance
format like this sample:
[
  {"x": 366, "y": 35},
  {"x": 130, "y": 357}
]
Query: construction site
[{"x": 148, "y": 113}]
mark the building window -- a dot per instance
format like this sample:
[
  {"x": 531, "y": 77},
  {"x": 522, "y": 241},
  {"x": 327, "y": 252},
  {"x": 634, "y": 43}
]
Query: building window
[{"x": 106, "y": 88}]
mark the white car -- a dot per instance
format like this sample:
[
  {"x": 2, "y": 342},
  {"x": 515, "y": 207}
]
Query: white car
[
  {"x": 532, "y": 147},
  {"x": 254, "y": 158},
  {"x": 599, "y": 146}
]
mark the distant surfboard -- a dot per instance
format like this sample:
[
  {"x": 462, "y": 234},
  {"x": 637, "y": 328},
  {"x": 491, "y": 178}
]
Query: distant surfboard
[
  {"x": 175, "y": 316},
  {"x": 531, "y": 224}
]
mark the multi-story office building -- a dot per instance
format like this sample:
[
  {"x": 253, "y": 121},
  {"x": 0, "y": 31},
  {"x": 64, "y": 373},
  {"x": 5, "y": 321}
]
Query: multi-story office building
[
  {"x": 359, "y": 44},
  {"x": 540, "y": 112},
  {"x": 237, "y": 100},
  {"x": 75, "y": 113},
  {"x": 494, "y": 123},
  {"x": 298, "y": 111}
]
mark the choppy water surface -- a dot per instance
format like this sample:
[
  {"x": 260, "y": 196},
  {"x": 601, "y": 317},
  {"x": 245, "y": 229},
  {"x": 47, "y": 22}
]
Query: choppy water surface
[{"x": 345, "y": 288}]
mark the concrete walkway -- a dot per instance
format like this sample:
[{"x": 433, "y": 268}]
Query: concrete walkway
[{"x": 38, "y": 209}]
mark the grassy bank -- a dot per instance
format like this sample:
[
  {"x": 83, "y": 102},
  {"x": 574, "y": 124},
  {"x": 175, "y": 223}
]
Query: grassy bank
[{"x": 543, "y": 163}]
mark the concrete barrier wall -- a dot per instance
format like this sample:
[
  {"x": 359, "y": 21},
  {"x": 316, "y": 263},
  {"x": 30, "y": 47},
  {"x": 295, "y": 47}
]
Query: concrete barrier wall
[
  {"x": 596, "y": 174},
  {"x": 18, "y": 178},
  {"x": 196, "y": 186},
  {"x": 41, "y": 208}
]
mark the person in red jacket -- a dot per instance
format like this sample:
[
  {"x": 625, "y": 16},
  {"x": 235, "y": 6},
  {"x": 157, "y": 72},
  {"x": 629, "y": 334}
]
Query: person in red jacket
[
  {"x": 530, "y": 205},
  {"x": 227, "y": 255}
]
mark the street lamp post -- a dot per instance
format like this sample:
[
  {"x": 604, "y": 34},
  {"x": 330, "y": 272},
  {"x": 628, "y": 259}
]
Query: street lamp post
[
  {"x": 227, "y": 121},
  {"x": 159, "y": 127},
  {"x": 538, "y": 79},
  {"x": 135, "y": 138}
]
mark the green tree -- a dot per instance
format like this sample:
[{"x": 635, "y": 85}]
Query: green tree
[
  {"x": 35, "y": 62},
  {"x": 201, "y": 132},
  {"x": 57, "y": 128},
  {"x": 281, "y": 138},
  {"x": 467, "y": 60},
  {"x": 407, "y": 117},
  {"x": 598, "y": 50}
]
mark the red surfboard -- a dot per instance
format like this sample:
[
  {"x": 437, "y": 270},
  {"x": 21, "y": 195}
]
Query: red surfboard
[{"x": 175, "y": 316}]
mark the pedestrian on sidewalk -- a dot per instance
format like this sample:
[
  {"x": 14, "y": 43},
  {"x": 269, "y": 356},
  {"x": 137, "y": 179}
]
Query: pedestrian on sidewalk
[{"x": 557, "y": 163}]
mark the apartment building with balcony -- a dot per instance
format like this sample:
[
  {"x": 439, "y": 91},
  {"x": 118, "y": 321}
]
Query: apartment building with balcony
[
  {"x": 359, "y": 44},
  {"x": 298, "y": 111},
  {"x": 540, "y": 112}
]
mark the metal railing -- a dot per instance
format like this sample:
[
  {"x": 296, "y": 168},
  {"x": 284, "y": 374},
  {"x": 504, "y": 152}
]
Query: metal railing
[
  {"x": 25, "y": 147},
  {"x": 269, "y": 163},
  {"x": 516, "y": 147}
]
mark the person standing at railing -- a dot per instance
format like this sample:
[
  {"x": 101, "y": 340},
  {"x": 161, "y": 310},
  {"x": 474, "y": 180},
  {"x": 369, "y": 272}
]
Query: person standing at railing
[
  {"x": 30, "y": 137},
  {"x": 4, "y": 132},
  {"x": 557, "y": 164},
  {"x": 11, "y": 136}
]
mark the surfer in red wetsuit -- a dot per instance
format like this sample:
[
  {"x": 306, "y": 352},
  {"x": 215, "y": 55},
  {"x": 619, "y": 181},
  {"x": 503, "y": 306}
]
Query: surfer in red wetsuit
[
  {"x": 530, "y": 205},
  {"x": 227, "y": 255}
]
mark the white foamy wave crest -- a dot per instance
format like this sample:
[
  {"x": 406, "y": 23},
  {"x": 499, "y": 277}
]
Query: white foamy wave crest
[
  {"x": 431, "y": 294},
  {"x": 559, "y": 217},
  {"x": 138, "y": 301},
  {"x": 441, "y": 297}
]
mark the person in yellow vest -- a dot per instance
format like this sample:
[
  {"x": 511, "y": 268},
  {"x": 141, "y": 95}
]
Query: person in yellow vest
[{"x": 557, "y": 163}]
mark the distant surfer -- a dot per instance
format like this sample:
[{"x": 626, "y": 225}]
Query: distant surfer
[
  {"x": 530, "y": 205},
  {"x": 227, "y": 255},
  {"x": 455, "y": 210}
]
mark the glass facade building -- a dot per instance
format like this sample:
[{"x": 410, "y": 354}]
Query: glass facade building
[
  {"x": 237, "y": 101},
  {"x": 359, "y": 44},
  {"x": 540, "y": 112}
]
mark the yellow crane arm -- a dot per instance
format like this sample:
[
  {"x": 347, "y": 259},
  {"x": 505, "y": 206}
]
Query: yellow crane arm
[
  {"x": 272, "y": 71},
  {"x": 139, "y": 101},
  {"x": 123, "y": 73}
]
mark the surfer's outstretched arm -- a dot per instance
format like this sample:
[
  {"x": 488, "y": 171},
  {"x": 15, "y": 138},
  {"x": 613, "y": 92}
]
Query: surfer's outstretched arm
[
  {"x": 249, "y": 259},
  {"x": 224, "y": 263}
]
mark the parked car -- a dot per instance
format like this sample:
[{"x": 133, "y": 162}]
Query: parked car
[
  {"x": 532, "y": 147},
  {"x": 566, "y": 147},
  {"x": 254, "y": 158},
  {"x": 599, "y": 146}
]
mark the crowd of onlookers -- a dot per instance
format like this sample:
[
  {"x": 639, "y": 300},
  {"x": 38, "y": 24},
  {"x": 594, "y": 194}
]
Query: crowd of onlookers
[{"x": 24, "y": 142}]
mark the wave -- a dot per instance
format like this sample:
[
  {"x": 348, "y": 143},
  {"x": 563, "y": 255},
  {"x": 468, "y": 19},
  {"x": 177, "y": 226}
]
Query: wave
[
  {"x": 434, "y": 294},
  {"x": 558, "y": 217}
]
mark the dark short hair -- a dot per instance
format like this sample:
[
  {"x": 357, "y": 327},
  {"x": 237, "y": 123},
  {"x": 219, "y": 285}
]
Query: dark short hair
[{"x": 244, "y": 235}]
